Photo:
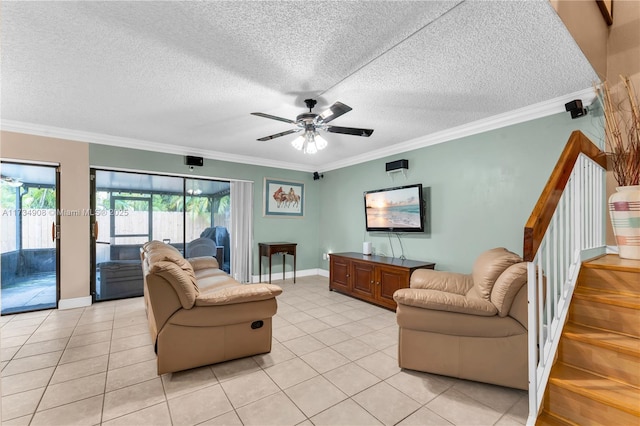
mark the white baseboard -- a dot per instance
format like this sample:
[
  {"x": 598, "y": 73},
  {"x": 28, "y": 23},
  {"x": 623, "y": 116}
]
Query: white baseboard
[
  {"x": 612, "y": 249},
  {"x": 277, "y": 276},
  {"x": 76, "y": 302}
]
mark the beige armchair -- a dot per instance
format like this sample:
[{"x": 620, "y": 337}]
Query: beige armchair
[{"x": 471, "y": 326}]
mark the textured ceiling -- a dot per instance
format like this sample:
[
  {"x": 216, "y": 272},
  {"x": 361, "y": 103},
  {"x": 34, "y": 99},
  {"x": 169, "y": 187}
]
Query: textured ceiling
[{"x": 184, "y": 76}]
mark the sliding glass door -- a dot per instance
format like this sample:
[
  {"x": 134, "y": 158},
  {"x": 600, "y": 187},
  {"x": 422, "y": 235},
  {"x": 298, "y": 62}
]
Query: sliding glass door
[
  {"x": 29, "y": 237},
  {"x": 133, "y": 208}
]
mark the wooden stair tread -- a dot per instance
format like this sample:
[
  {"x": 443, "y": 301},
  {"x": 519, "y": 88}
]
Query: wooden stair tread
[
  {"x": 605, "y": 391},
  {"x": 605, "y": 339},
  {"x": 609, "y": 298},
  {"x": 549, "y": 419},
  {"x": 613, "y": 262}
]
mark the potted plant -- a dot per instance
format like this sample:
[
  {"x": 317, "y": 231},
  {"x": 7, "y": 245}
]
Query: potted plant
[{"x": 622, "y": 138}]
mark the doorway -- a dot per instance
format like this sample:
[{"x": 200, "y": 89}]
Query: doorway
[{"x": 29, "y": 237}]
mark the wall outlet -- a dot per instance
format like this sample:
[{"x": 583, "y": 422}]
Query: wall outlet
[{"x": 324, "y": 256}]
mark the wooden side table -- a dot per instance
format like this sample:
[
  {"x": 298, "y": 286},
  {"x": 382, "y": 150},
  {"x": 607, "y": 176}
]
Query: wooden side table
[{"x": 269, "y": 249}]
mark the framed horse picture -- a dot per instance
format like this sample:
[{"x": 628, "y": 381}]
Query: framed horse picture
[{"x": 283, "y": 198}]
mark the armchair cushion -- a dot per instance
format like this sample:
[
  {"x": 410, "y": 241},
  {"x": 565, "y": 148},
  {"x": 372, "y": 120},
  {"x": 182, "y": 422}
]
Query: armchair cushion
[
  {"x": 507, "y": 286},
  {"x": 443, "y": 301},
  {"x": 183, "y": 283},
  {"x": 238, "y": 294},
  {"x": 450, "y": 282},
  {"x": 488, "y": 267}
]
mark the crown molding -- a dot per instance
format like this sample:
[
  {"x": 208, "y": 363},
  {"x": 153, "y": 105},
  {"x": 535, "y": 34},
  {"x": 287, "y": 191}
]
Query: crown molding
[
  {"x": 103, "y": 139},
  {"x": 528, "y": 113}
]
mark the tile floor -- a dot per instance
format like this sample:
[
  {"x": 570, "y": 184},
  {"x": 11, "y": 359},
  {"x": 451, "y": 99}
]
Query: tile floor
[{"x": 333, "y": 362}]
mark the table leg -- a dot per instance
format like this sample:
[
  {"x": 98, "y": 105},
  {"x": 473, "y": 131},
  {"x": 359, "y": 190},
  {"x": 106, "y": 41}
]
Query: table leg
[
  {"x": 260, "y": 268},
  {"x": 294, "y": 268},
  {"x": 269, "y": 267}
]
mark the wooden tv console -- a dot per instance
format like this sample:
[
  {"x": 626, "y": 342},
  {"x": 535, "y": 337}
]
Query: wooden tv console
[{"x": 371, "y": 278}]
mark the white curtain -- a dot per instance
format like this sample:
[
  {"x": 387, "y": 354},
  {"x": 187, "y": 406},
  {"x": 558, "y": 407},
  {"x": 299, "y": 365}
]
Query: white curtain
[{"x": 241, "y": 230}]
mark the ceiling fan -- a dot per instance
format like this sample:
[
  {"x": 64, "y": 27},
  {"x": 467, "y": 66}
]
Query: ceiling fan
[{"x": 311, "y": 141}]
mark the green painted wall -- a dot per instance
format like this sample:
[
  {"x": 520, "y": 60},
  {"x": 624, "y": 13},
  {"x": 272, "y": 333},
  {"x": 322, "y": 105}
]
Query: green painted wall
[
  {"x": 482, "y": 190},
  {"x": 304, "y": 231}
]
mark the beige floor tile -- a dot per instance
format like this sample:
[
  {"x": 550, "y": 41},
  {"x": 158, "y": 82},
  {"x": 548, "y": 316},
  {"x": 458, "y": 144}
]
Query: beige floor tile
[
  {"x": 289, "y": 373},
  {"x": 78, "y": 369},
  {"x": 303, "y": 345},
  {"x": 199, "y": 406},
  {"x": 296, "y": 316},
  {"x": 386, "y": 403},
  {"x": 31, "y": 349},
  {"x": 131, "y": 356},
  {"x": 129, "y": 320},
  {"x": 85, "y": 412},
  {"x": 424, "y": 417},
  {"x": 353, "y": 349},
  {"x": 72, "y": 390},
  {"x": 421, "y": 387},
  {"x": 12, "y": 331},
  {"x": 331, "y": 336},
  {"x": 278, "y": 322},
  {"x": 460, "y": 409},
  {"x": 497, "y": 397},
  {"x": 18, "y": 421},
  {"x": 26, "y": 381},
  {"x": 93, "y": 327},
  {"x": 380, "y": 364},
  {"x": 354, "y": 329},
  {"x": 132, "y": 398},
  {"x": 520, "y": 411},
  {"x": 231, "y": 369},
  {"x": 277, "y": 355},
  {"x": 320, "y": 312},
  {"x": 312, "y": 326},
  {"x": 20, "y": 404},
  {"x": 378, "y": 340},
  {"x": 183, "y": 382},
  {"x": 8, "y": 342},
  {"x": 325, "y": 359},
  {"x": 131, "y": 330},
  {"x": 30, "y": 363},
  {"x": 275, "y": 409},
  {"x": 315, "y": 395},
  {"x": 508, "y": 421},
  {"x": 345, "y": 413},
  {"x": 288, "y": 332},
  {"x": 351, "y": 378},
  {"x": 130, "y": 342},
  {"x": 156, "y": 415},
  {"x": 356, "y": 314},
  {"x": 131, "y": 375},
  {"x": 248, "y": 388},
  {"x": 336, "y": 319},
  {"x": 378, "y": 322},
  {"x": 84, "y": 352},
  {"x": 227, "y": 419},
  {"x": 6, "y": 354},
  {"x": 89, "y": 338},
  {"x": 52, "y": 324}
]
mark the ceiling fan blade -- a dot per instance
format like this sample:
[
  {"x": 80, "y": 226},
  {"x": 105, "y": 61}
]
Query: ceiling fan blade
[
  {"x": 277, "y": 135},
  {"x": 350, "y": 131},
  {"x": 273, "y": 117},
  {"x": 334, "y": 111}
]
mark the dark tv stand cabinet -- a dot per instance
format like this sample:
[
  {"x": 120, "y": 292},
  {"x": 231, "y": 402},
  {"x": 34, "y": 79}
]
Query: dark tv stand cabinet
[{"x": 371, "y": 278}]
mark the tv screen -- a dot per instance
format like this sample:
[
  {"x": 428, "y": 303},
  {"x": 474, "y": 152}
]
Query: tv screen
[{"x": 399, "y": 209}]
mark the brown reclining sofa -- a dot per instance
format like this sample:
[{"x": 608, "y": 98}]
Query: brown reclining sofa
[{"x": 199, "y": 315}]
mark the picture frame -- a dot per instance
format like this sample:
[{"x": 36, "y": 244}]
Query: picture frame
[{"x": 283, "y": 198}]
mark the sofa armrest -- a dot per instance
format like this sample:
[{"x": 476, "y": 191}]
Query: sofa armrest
[
  {"x": 203, "y": 262},
  {"x": 238, "y": 294},
  {"x": 443, "y": 301},
  {"x": 450, "y": 282}
]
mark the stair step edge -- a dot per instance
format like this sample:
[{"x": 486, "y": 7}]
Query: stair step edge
[
  {"x": 608, "y": 299},
  {"x": 550, "y": 418},
  {"x": 598, "y": 396},
  {"x": 599, "y": 337}
]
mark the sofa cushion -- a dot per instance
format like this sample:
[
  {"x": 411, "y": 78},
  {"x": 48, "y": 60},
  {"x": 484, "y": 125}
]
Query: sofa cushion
[
  {"x": 237, "y": 294},
  {"x": 183, "y": 283},
  {"x": 507, "y": 286},
  {"x": 203, "y": 262},
  {"x": 488, "y": 268},
  {"x": 443, "y": 301}
]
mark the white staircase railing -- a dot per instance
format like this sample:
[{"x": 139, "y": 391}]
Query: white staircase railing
[{"x": 575, "y": 231}]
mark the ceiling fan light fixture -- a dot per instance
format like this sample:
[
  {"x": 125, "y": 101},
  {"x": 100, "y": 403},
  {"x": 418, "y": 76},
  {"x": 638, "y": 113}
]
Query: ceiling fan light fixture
[
  {"x": 298, "y": 142},
  {"x": 321, "y": 142}
]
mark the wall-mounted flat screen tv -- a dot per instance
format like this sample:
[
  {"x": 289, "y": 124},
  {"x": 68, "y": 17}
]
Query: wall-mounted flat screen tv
[{"x": 399, "y": 209}]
